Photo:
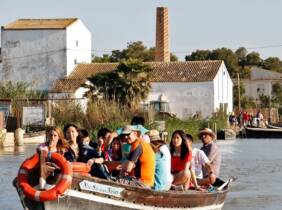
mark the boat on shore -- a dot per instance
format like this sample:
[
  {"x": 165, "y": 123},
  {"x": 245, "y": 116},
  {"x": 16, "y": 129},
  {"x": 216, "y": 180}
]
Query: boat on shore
[
  {"x": 254, "y": 132},
  {"x": 86, "y": 192}
]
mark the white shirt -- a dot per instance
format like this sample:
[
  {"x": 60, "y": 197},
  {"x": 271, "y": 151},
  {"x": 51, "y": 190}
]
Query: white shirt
[{"x": 199, "y": 159}]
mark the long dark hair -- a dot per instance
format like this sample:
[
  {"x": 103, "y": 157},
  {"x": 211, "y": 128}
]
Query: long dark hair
[
  {"x": 184, "y": 149},
  {"x": 67, "y": 127}
]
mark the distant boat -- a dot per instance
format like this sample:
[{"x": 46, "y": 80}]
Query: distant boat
[{"x": 253, "y": 132}]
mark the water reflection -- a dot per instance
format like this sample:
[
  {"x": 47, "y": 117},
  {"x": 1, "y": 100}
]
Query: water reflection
[{"x": 12, "y": 150}]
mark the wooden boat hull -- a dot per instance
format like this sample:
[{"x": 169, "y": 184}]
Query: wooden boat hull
[
  {"x": 263, "y": 132},
  {"x": 93, "y": 193}
]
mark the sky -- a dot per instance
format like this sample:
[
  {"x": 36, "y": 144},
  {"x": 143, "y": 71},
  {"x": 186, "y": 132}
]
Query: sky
[{"x": 198, "y": 24}]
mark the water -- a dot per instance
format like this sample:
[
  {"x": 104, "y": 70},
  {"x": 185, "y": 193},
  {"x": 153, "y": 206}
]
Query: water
[{"x": 256, "y": 162}]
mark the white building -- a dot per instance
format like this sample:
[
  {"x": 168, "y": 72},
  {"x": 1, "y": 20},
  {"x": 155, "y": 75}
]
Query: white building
[
  {"x": 189, "y": 87},
  {"x": 40, "y": 51},
  {"x": 260, "y": 82}
]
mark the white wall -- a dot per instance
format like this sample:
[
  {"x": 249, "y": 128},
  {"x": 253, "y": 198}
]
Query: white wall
[
  {"x": 78, "y": 45},
  {"x": 37, "y": 57},
  {"x": 223, "y": 89},
  {"x": 185, "y": 99},
  {"x": 252, "y": 87}
]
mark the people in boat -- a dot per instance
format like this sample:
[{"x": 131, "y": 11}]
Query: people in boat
[
  {"x": 104, "y": 139},
  {"x": 181, "y": 158},
  {"x": 55, "y": 141},
  {"x": 86, "y": 152},
  {"x": 213, "y": 153},
  {"x": 163, "y": 177},
  {"x": 115, "y": 157},
  {"x": 115, "y": 153},
  {"x": 141, "y": 159},
  {"x": 71, "y": 134},
  {"x": 199, "y": 161},
  {"x": 259, "y": 117},
  {"x": 140, "y": 121}
]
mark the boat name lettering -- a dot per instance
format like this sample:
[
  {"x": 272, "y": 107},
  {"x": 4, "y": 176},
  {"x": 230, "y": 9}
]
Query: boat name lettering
[{"x": 100, "y": 188}]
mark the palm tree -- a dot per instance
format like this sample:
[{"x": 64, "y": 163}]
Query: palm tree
[{"x": 129, "y": 84}]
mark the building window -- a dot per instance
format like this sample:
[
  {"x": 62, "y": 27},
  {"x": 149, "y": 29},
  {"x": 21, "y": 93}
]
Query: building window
[
  {"x": 75, "y": 61},
  {"x": 76, "y": 43}
]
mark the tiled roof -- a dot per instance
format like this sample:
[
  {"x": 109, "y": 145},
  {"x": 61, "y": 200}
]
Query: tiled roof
[
  {"x": 190, "y": 71},
  {"x": 67, "y": 85},
  {"x": 26, "y": 24},
  {"x": 264, "y": 74}
]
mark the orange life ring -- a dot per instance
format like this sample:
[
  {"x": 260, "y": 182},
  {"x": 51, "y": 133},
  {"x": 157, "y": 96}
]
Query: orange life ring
[
  {"x": 54, "y": 192},
  {"x": 81, "y": 168}
]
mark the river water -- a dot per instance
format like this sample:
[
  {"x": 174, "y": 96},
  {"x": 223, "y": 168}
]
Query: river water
[{"x": 257, "y": 163}]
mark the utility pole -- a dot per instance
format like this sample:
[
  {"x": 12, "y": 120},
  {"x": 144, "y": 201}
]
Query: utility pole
[{"x": 239, "y": 97}]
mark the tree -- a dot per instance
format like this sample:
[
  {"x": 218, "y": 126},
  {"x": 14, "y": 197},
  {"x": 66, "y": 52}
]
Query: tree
[
  {"x": 253, "y": 59},
  {"x": 229, "y": 57},
  {"x": 264, "y": 101},
  {"x": 273, "y": 63},
  {"x": 236, "y": 94},
  {"x": 129, "y": 84},
  {"x": 247, "y": 102},
  {"x": 276, "y": 93},
  {"x": 134, "y": 50},
  {"x": 199, "y": 55},
  {"x": 241, "y": 53}
]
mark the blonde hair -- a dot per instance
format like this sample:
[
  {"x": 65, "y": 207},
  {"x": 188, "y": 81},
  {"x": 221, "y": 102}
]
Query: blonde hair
[{"x": 62, "y": 144}]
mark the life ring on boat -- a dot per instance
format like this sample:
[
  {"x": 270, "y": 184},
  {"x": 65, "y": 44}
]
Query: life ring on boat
[
  {"x": 81, "y": 168},
  {"x": 46, "y": 195}
]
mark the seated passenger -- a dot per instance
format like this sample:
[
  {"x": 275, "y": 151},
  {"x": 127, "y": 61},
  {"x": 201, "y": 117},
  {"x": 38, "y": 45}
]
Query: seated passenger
[
  {"x": 104, "y": 139},
  {"x": 163, "y": 177},
  {"x": 55, "y": 141},
  {"x": 71, "y": 134},
  {"x": 90, "y": 156},
  {"x": 140, "y": 121},
  {"x": 199, "y": 159},
  {"x": 141, "y": 159},
  {"x": 115, "y": 153},
  {"x": 181, "y": 159},
  {"x": 86, "y": 152},
  {"x": 115, "y": 157},
  {"x": 213, "y": 153}
]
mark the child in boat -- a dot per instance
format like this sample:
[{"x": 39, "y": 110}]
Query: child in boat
[
  {"x": 181, "y": 158},
  {"x": 55, "y": 141},
  {"x": 91, "y": 156},
  {"x": 163, "y": 177},
  {"x": 115, "y": 157}
]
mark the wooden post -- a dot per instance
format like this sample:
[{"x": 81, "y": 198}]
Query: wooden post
[
  {"x": 239, "y": 96},
  {"x": 215, "y": 130}
]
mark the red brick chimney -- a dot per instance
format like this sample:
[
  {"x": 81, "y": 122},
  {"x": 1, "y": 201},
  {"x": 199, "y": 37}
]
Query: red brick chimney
[{"x": 162, "y": 52}]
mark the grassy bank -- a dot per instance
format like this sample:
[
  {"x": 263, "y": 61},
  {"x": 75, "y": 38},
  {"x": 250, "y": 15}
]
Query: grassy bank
[{"x": 109, "y": 114}]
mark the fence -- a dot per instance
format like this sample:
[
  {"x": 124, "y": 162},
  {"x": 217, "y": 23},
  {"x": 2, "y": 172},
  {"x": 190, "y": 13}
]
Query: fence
[{"x": 32, "y": 113}]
